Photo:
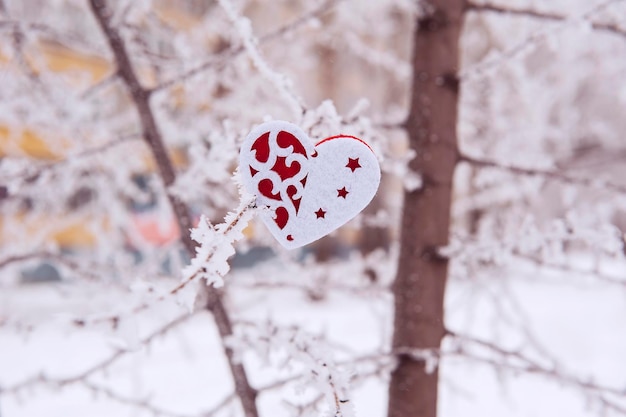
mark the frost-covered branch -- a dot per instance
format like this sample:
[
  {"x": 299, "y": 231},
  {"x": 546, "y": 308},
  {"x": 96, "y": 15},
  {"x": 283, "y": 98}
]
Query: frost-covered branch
[
  {"x": 152, "y": 135},
  {"x": 533, "y": 39},
  {"x": 141, "y": 99},
  {"x": 23, "y": 257},
  {"x": 225, "y": 56},
  {"x": 66, "y": 261},
  {"x": 281, "y": 83},
  {"x": 81, "y": 377},
  {"x": 515, "y": 361},
  {"x": 21, "y": 29},
  {"x": 138, "y": 403},
  {"x": 362, "y": 276},
  {"x": 321, "y": 370},
  {"x": 593, "y": 273},
  {"x": 30, "y": 172},
  {"x": 209, "y": 263},
  {"x": 543, "y": 173},
  {"x": 216, "y": 245},
  {"x": 535, "y": 14}
]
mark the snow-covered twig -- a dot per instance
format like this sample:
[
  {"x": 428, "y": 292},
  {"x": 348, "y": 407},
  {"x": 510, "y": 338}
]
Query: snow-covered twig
[
  {"x": 517, "y": 362},
  {"x": 205, "y": 265},
  {"x": 31, "y": 173},
  {"x": 216, "y": 245},
  {"x": 543, "y": 173},
  {"x": 320, "y": 368},
  {"x": 223, "y": 57},
  {"x": 280, "y": 81},
  {"x": 535, "y": 14},
  {"x": 487, "y": 64},
  {"x": 42, "y": 379}
]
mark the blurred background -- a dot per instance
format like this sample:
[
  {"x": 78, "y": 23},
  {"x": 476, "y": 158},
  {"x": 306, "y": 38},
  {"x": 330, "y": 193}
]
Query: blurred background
[{"x": 90, "y": 247}]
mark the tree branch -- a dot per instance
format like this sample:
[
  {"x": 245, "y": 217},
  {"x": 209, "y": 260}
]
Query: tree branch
[
  {"x": 142, "y": 404},
  {"x": 223, "y": 57},
  {"x": 481, "y": 67},
  {"x": 549, "y": 16},
  {"x": 31, "y": 173},
  {"x": 141, "y": 99},
  {"x": 42, "y": 379},
  {"x": 515, "y": 361},
  {"x": 554, "y": 175}
]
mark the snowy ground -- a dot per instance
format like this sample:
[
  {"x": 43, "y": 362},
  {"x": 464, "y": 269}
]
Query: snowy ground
[{"x": 581, "y": 324}]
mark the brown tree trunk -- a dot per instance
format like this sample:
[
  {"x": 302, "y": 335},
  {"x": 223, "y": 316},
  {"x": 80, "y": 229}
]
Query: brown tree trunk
[
  {"x": 421, "y": 278},
  {"x": 140, "y": 97}
]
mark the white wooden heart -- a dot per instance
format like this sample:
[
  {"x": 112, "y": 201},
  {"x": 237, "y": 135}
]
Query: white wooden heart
[{"x": 310, "y": 190}]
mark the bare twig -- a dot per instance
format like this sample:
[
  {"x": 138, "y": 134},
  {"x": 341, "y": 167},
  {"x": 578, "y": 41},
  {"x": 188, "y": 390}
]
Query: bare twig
[
  {"x": 24, "y": 257},
  {"x": 59, "y": 258},
  {"x": 95, "y": 88}
]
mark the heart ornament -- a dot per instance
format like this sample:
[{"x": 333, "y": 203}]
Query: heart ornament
[{"x": 310, "y": 190}]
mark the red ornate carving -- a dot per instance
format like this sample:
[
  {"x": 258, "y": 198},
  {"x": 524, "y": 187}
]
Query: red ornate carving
[{"x": 265, "y": 154}]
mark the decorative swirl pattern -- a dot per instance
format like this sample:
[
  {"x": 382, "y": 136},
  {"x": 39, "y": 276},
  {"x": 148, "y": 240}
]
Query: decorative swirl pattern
[{"x": 279, "y": 171}]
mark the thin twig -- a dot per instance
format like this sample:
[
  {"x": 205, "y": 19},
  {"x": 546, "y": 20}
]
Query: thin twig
[
  {"x": 535, "y": 37},
  {"x": 543, "y": 173},
  {"x": 95, "y": 88},
  {"x": 227, "y": 55},
  {"x": 142, "y": 404},
  {"x": 43, "y": 379},
  {"x": 504, "y": 357},
  {"x": 535, "y": 14},
  {"x": 30, "y": 174}
]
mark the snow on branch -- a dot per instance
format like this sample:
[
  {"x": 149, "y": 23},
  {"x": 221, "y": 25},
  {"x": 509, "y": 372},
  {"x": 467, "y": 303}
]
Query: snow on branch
[
  {"x": 515, "y": 361},
  {"x": 23, "y": 29},
  {"x": 30, "y": 173},
  {"x": 308, "y": 350},
  {"x": 594, "y": 183},
  {"x": 366, "y": 276},
  {"x": 210, "y": 262},
  {"x": 138, "y": 403},
  {"x": 223, "y": 57},
  {"x": 495, "y": 60},
  {"x": 384, "y": 59},
  {"x": 283, "y": 85},
  {"x": 101, "y": 366},
  {"x": 555, "y": 17},
  {"x": 73, "y": 265},
  {"x": 216, "y": 245}
]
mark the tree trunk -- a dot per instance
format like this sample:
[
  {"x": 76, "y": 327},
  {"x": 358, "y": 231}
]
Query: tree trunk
[{"x": 421, "y": 278}]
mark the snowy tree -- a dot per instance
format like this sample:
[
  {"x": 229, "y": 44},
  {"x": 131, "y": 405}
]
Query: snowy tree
[{"x": 491, "y": 260}]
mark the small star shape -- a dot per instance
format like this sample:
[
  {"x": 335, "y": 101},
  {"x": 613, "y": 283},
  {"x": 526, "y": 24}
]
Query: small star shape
[
  {"x": 353, "y": 164},
  {"x": 320, "y": 214},
  {"x": 342, "y": 193}
]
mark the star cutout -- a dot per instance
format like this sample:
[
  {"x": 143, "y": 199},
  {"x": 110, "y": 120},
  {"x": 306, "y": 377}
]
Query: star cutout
[
  {"x": 320, "y": 214},
  {"x": 353, "y": 164},
  {"x": 342, "y": 193}
]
